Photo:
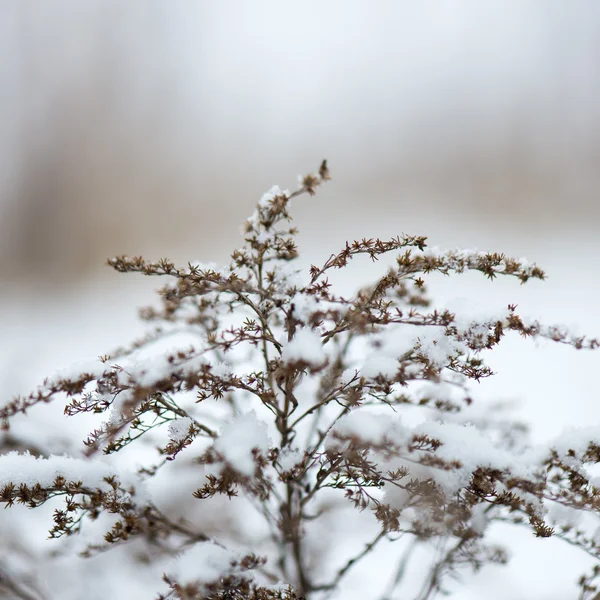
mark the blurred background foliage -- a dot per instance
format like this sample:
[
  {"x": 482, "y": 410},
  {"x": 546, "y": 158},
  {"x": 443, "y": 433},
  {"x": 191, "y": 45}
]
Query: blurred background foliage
[{"x": 151, "y": 127}]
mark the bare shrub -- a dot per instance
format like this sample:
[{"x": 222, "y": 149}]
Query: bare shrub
[{"x": 293, "y": 397}]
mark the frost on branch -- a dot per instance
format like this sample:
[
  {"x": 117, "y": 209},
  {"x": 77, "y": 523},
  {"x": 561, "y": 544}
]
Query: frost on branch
[{"x": 261, "y": 402}]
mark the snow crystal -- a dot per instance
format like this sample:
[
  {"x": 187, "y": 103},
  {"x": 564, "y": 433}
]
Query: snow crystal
[
  {"x": 210, "y": 266},
  {"x": 147, "y": 372},
  {"x": 291, "y": 273},
  {"x": 472, "y": 448},
  {"x": 179, "y": 429},
  {"x": 435, "y": 345},
  {"x": 576, "y": 439},
  {"x": 394, "y": 341},
  {"x": 146, "y": 369},
  {"x": 373, "y": 428},
  {"x": 379, "y": 365},
  {"x": 204, "y": 563},
  {"x": 465, "y": 444},
  {"x": 267, "y": 197},
  {"x": 238, "y": 439},
  {"x": 306, "y": 346},
  {"x": 27, "y": 469},
  {"x": 468, "y": 312},
  {"x": 559, "y": 514},
  {"x": 288, "y": 459},
  {"x": 263, "y": 203},
  {"x": 221, "y": 369},
  {"x": 479, "y": 518},
  {"x": 305, "y": 305},
  {"x": 92, "y": 366},
  {"x": 440, "y": 390}
]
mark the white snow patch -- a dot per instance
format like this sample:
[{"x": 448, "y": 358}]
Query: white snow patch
[
  {"x": 203, "y": 564},
  {"x": 306, "y": 346},
  {"x": 239, "y": 439},
  {"x": 179, "y": 429},
  {"x": 372, "y": 428},
  {"x": 379, "y": 365},
  {"x": 576, "y": 439},
  {"x": 289, "y": 458},
  {"x": 558, "y": 514},
  {"x": 264, "y": 202},
  {"x": 27, "y": 469}
]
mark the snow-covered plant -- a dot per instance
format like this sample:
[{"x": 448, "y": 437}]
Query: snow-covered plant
[{"x": 264, "y": 405}]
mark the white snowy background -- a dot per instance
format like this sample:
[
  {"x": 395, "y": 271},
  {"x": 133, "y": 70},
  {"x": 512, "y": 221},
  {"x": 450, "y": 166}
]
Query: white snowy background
[{"x": 152, "y": 128}]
